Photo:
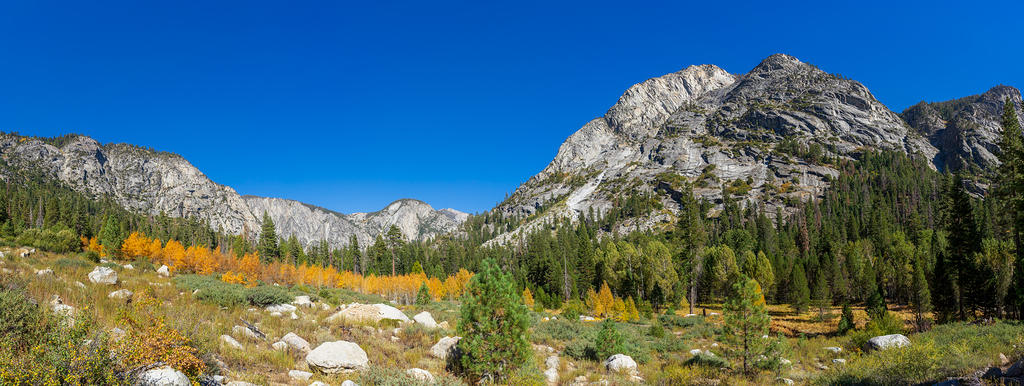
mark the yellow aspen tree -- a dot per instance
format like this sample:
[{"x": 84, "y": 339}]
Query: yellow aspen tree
[
  {"x": 605, "y": 300},
  {"x": 528, "y": 297}
]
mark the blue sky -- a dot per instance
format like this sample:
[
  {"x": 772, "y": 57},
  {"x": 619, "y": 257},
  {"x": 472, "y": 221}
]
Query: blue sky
[{"x": 351, "y": 105}]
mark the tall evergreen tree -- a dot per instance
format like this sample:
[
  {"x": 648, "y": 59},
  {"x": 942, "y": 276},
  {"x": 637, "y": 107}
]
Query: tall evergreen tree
[
  {"x": 493, "y": 323},
  {"x": 746, "y": 321},
  {"x": 1009, "y": 190},
  {"x": 801, "y": 295},
  {"x": 921, "y": 297},
  {"x": 267, "y": 246},
  {"x": 963, "y": 244}
]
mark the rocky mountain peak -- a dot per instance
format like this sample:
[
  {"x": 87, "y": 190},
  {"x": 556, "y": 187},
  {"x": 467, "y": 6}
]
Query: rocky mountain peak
[{"x": 777, "y": 62}]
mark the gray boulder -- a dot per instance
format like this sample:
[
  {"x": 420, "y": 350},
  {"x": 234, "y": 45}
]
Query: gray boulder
[
  {"x": 296, "y": 342},
  {"x": 163, "y": 376},
  {"x": 620, "y": 363},
  {"x": 120, "y": 294},
  {"x": 425, "y": 319},
  {"x": 444, "y": 347},
  {"x": 338, "y": 356},
  {"x": 300, "y": 375},
  {"x": 103, "y": 275},
  {"x": 163, "y": 271},
  {"x": 886, "y": 342}
]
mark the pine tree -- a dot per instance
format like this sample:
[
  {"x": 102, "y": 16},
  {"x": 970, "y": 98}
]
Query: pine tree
[
  {"x": 110, "y": 237},
  {"x": 609, "y": 341},
  {"x": 822, "y": 294},
  {"x": 394, "y": 241},
  {"x": 1009, "y": 190},
  {"x": 494, "y": 325},
  {"x": 846, "y": 321},
  {"x": 963, "y": 244},
  {"x": 746, "y": 321},
  {"x": 423, "y": 296},
  {"x": 801, "y": 295},
  {"x": 267, "y": 246},
  {"x": 921, "y": 296}
]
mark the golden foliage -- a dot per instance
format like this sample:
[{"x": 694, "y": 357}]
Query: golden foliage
[{"x": 527, "y": 297}]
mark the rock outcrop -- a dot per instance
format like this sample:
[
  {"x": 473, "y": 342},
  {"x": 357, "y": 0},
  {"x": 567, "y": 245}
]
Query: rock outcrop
[{"x": 966, "y": 131}]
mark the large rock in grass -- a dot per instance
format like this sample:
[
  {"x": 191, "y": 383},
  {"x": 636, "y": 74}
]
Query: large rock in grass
[
  {"x": 368, "y": 313},
  {"x": 444, "y": 347},
  {"x": 302, "y": 301},
  {"x": 103, "y": 275},
  {"x": 620, "y": 363},
  {"x": 886, "y": 342},
  {"x": 163, "y": 376},
  {"x": 424, "y": 318},
  {"x": 282, "y": 308},
  {"x": 120, "y": 294},
  {"x": 338, "y": 356},
  {"x": 420, "y": 375},
  {"x": 231, "y": 342},
  {"x": 163, "y": 271},
  {"x": 296, "y": 342}
]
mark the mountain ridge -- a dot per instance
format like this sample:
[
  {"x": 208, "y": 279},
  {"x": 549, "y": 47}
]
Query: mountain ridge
[{"x": 150, "y": 181}]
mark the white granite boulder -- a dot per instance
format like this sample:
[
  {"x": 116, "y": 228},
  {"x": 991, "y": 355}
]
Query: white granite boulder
[
  {"x": 620, "y": 363},
  {"x": 103, "y": 275},
  {"x": 424, "y": 318},
  {"x": 886, "y": 342},
  {"x": 337, "y": 356}
]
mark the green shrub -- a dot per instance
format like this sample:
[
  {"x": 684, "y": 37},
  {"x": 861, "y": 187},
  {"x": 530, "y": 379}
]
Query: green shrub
[
  {"x": 656, "y": 331},
  {"x": 143, "y": 264},
  {"x": 885, "y": 324},
  {"x": 423, "y": 296},
  {"x": 573, "y": 309},
  {"x": 40, "y": 348},
  {"x": 559, "y": 330},
  {"x": 55, "y": 239},
  {"x": 846, "y": 322},
  {"x": 266, "y": 295},
  {"x": 494, "y": 326},
  {"x": 609, "y": 341},
  {"x": 679, "y": 321},
  {"x": 91, "y": 256}
]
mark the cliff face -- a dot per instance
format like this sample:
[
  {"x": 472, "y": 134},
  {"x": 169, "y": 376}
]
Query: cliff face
[
  {"x": 966, "y": 131},
  {"x": 152, "y": 182},
  {"x": 767, "y": 134}
]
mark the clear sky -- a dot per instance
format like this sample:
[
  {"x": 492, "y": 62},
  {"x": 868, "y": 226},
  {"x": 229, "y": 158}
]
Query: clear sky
[{"x": 353, "y": 104}]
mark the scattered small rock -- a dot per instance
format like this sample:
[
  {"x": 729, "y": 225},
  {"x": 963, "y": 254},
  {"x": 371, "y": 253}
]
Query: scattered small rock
[
  {"x": 245, "y": 332},
  {"x": 840, "y": 361},
  {"x": 300, "y": 375},
  {"x": 128, "y": 266},
  {"x": 784, "y": 381},
  {"x": 834, "y": 350},
  {"x": 347, "y": 383},
  {"x": 231, "y": 342},
  {"x": 44, "y": 272},
  {"x": 163, "y": 271}
]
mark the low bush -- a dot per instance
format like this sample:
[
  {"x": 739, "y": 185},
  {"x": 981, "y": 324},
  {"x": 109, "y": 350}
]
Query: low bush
[
  {"x": 40, "y": 347},
  {"x": 679, "y": 321},
  {"x": 886, "y": 324},
  {"x": 56, "y": 239},
  {"x": 266, "y": 295}
]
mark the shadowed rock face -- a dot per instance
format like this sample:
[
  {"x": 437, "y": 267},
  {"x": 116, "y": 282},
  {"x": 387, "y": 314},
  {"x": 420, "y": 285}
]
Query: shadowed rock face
[
  {"x": 154, "y": 182},
  {"x": 704, "y": 124},
  {"x": 966, "y": 131}
]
